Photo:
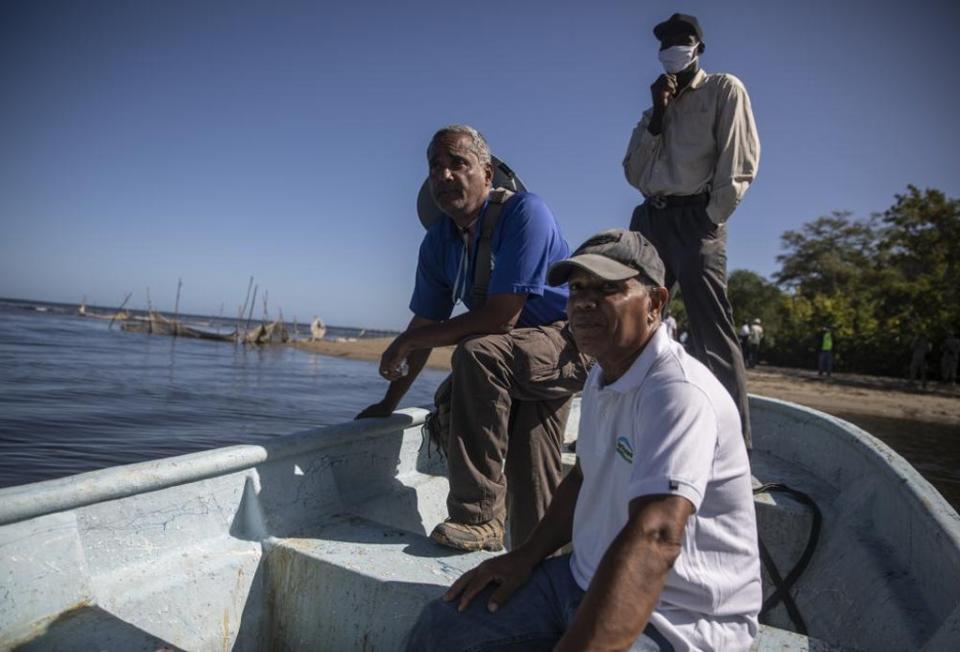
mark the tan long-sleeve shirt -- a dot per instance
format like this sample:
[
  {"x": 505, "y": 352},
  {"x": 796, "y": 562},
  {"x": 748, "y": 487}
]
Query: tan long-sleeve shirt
[{"x": 708, "y": 143}]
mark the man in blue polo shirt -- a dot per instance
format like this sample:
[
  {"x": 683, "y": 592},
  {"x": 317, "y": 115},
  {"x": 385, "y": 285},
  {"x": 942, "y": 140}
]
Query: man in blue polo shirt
[{"x": 515, "y": 366}]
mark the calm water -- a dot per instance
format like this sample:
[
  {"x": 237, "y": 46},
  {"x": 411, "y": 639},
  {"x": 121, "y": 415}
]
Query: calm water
[{"x": 75, "y": 396}]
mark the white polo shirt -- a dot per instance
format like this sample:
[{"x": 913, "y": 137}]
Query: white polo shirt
[{"x": 668, "y": 426}]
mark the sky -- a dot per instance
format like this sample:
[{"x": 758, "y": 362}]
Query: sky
[{"x": 143, "y": 142}]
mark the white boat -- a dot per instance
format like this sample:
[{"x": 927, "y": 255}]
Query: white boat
[{"x": 317, "y": 541}]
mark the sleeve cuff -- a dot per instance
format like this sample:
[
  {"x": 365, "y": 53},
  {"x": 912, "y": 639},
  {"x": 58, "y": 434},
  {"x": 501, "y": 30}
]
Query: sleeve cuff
[
  {"x": 666, "y": 486},
  {"x": 718, "y": 213},
  {"x": 528, "y": 289},
  {"x": 517, "y": 288},
  {"x": 433, "y": 315}
]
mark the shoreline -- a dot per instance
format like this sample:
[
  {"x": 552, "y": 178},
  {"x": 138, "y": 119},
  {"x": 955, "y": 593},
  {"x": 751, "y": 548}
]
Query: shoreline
[{"x": 370, "y": 350}]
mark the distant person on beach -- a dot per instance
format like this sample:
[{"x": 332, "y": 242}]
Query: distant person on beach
[
  {"x": 919, "y": 349},
  {"x": 671, "y": 325},
  {"x": 744, "y": 337},
  {"x": 503, "y": 410},
  {"x": 753, "y": 343},
  {"x": 949, "y": 358},
  {"x": 317, "y": 330},
  {"x": 825, "y": 359},
  {"x": 659, "y": 506},
  {"x": 693, "y": 155}
]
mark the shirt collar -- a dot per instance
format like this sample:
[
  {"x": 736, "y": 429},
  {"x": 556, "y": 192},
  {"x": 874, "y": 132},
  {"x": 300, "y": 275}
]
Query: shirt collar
[
  {"x": 699, "y": 78},
  {"x": 656, "y": 346}
]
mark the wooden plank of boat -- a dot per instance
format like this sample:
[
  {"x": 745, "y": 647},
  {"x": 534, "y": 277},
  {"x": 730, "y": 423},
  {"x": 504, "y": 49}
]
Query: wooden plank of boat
[{"x": 319, "y": 540}]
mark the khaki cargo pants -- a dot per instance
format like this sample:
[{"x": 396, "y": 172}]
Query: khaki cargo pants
[{"x": 502, "y": 414}]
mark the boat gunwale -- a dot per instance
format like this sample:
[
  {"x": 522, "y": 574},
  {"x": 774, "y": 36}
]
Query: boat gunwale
[{"x": 24, "y": 502}]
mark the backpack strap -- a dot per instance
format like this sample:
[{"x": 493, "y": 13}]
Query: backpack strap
[{"x": 483, "y": 267}]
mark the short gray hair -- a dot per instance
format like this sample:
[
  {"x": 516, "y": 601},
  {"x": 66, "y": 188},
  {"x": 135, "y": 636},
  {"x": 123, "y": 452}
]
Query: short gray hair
[{"x": 478, "y": 144}]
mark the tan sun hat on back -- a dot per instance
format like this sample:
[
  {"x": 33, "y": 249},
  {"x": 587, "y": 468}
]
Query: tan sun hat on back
[{"x": 503, "y": 177}]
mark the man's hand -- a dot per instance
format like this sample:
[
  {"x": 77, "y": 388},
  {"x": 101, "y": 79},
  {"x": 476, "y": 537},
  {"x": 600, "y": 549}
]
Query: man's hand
[
  {"x": 375, "y": 411},
  {"x": 663, "y": 91},
  {"x": 510, "y": 571},
  {"x": 393, "y": 358}
]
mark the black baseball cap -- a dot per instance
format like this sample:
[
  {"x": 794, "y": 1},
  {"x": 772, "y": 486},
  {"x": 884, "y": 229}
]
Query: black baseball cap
[
  {"x": 613, "y": 255},
  {"x": 678, "y": 22}
]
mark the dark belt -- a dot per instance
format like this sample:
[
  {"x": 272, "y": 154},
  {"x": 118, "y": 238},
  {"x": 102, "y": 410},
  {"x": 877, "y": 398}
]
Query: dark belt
[{"x": 671, "y": 201}]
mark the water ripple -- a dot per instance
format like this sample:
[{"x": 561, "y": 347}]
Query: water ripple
[{"x": 76, "y": 396}]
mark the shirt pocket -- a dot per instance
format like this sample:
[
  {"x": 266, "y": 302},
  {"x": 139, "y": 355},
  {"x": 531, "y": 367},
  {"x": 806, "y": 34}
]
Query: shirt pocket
[{"x": 692, "y": 126}]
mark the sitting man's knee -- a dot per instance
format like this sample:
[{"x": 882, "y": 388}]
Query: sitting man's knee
[{"x": 475, "y": 351}]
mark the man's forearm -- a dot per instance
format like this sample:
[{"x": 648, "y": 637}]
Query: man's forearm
[
  {"x": 628, "y": 582},
  {"x": 497, "y": 316},
  {"x": 621, "y": 598},
  {"x": 398, "y": 388},
  {"x": 555, "y": 529}
]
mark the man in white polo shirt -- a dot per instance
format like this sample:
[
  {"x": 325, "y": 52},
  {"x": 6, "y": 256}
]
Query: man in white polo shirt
[{"x": 659, "y": 506}]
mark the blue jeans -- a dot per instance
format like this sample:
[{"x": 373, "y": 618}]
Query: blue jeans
[{"x": 534, "y": 618}]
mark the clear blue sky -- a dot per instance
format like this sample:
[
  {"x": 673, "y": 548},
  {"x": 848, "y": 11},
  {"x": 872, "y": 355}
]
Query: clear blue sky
[{"x": 145, "y": 141}]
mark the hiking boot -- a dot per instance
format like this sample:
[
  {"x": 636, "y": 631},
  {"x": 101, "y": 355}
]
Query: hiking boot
[{"x": 468, "y": 536}]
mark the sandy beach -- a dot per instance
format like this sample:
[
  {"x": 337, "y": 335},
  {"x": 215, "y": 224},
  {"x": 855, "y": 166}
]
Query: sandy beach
[
  {"x": 921, "y": 425},
  {"x": 370, "y": 349}
]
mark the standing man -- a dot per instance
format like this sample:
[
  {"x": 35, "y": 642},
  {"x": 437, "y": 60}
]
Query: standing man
[
  {"x": 515, "y": 367},
  {"x": 693, "y": 155},
  {"x": 919, "y": 349},
  {"x": 659, "y": 506},
  {"x": 753, "y": 343},
  {"x": 825, "y": 361},
  {"x": 949, "y": 358}
]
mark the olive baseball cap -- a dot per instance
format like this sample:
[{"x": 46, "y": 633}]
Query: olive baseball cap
[{"x": 613, "y": 255}]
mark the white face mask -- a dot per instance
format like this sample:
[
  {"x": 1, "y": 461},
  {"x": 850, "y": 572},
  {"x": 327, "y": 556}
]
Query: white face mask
[{"x": 677, "y": 57}]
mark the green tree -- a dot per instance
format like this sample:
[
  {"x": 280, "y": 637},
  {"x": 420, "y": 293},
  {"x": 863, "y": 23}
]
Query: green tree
[
  {"x": 877, "y": 282},
  {"x": 754, "y": 297},
  {"x": 829, "y": 255},
  {"x": 832, "y": 267},
  {"x": 922, "y": 244}
]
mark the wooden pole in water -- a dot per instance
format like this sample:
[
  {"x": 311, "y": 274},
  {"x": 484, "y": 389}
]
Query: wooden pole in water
[
  {"x": 176, "y": 308},
  {"x": 250, "y": 314},
  {"x": 243, "y": 308},
  {"x": 176, "y": 304},
  {"x": 246, "y": 299},
  {"x": 149, "y": 312},
  {"x": 125, "y": 299}
]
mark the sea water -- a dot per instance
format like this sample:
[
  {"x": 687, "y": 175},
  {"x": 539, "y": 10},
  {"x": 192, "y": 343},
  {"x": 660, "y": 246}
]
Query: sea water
[{"x": 77, "y": 394}]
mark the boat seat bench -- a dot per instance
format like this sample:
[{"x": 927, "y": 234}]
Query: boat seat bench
[{"x": 370, "y": 582}]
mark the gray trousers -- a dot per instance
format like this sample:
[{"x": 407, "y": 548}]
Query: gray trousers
[
  {"x": 694, "y": 252},
  {"x": 509, "y": 397}
]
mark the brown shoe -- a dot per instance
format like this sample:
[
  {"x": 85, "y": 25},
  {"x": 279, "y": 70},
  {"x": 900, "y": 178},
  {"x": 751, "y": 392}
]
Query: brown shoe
[{"x": 468, "y": 536}]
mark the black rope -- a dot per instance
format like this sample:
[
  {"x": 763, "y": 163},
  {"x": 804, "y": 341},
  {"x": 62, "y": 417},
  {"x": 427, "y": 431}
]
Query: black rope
[
  {"x": 430, "y": 435},
  {"x": 783, "y": 585}
]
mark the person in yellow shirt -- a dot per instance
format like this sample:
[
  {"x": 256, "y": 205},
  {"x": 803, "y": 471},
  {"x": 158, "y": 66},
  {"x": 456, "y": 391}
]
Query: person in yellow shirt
[{"x": 825, "y": 361}]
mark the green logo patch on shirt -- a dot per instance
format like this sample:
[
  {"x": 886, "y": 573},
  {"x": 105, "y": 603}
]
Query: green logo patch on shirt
[{"x": 625, "y": 449}]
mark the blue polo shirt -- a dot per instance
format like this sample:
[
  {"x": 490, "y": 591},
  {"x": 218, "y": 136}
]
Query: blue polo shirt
[{"x": 525, "y": 242}]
